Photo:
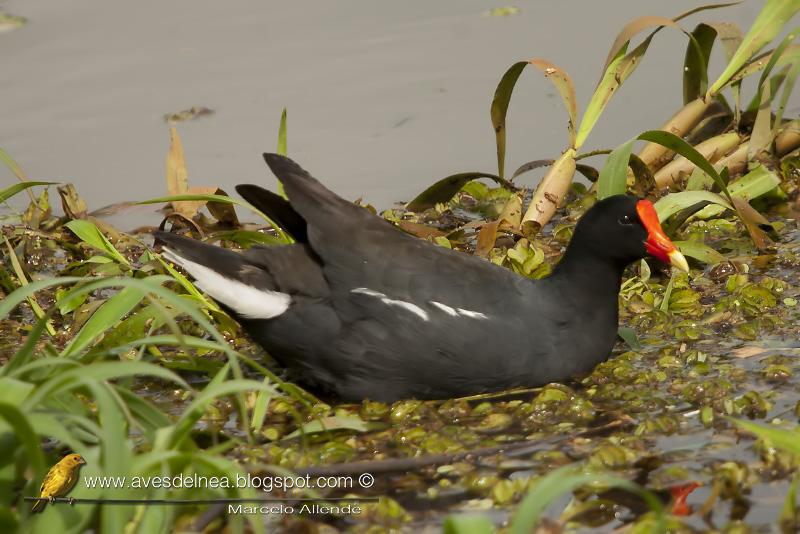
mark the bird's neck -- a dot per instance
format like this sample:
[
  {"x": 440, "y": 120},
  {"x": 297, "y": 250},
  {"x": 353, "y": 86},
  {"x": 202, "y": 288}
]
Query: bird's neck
[{"x": 589, "y": 274}]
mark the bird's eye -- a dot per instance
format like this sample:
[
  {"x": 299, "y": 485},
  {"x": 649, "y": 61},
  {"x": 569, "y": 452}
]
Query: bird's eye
[{"x": 625, "y": 219}]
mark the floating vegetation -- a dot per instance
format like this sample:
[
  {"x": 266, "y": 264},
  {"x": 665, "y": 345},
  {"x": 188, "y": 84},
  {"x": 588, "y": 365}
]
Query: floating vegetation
[
  {"x": 187, "y": 114},
  {"x": 691, "y": 425},
  {"x": 506, "y": 11},
  {"x": 9, "y": 22}
]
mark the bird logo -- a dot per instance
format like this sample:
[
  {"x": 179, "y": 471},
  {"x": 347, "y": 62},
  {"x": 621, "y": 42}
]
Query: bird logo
[{"x": 59, "y": 480}]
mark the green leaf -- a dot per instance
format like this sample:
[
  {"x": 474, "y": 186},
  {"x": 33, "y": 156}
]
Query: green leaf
[
  {"x": 768, "y": 24},
  {"x": 499, "y": 109},
  {"x": 601, "y": 97},
  {"x": 698, "y": 52},
  {"x": 26, "y": 352},
  {"x": 567, "y": 479},
  {"x": 444, "y": 189},
  {"x": 789, "y": 517},
  {"x": 92, "y": 236},
  {"x": 9, "y": 192},
  {"x": 24, "y": 433},
  {"x": 699, "y": 251},
  {"x": 788, "y": 440},
  {"x": 247, "y": 238},
  {"x": 788, "y": 87},
  {"x": 180, "y": 431},
  {"x": 676, "y": 144},
  {"x": 614, "y": 174},
  {"x": 106, "y": 316},
  {"x": 628, "y": 335},
  {"x": 566, "y": 89},
  {"x": 672, "y": 203},
  {"x": 620, "y": 64},
  {"x": 756, "y": 183},
  {"x": 468, "y": 524},
  {"x": 98, "y": 372},
  {"x": 326, "y": 424},
  {"x": 11, "y": 164},
  {"x": 23, "y": 280},
  {"x": 260, "y": 407},
  {"x": 281, "y": 148}
]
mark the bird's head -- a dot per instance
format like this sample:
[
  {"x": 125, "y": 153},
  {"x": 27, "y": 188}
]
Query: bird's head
[
  {"x": 73, "y": 460},
  {"x": 625, "y": 229}
]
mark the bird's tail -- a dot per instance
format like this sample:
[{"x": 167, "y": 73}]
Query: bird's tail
[
  {"x": 38, "y": 506},
  {"x": 277, "y": 208},
  {"x": 227, "y": 276}
]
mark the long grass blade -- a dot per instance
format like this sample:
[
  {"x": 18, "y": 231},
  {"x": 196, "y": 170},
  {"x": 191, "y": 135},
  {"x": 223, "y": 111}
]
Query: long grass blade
[
  {"x": 281, "y": 148},
  {"x": 769, "y": 22}
]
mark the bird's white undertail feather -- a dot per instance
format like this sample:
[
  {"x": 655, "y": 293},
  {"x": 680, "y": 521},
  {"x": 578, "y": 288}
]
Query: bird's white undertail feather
[{"x": 248, "y": 301}]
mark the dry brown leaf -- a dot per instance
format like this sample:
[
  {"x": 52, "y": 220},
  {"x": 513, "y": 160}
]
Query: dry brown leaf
[
  {"x": 486, "y": 239},
  {"x": 419, "y": 230},
  {"x": 177, "y": 175}
]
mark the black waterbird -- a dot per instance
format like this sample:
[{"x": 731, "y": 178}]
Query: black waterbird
[{"x": 359, "y": 309}]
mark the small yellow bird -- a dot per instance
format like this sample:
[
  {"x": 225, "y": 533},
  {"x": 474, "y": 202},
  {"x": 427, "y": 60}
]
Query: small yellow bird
[{"x": 59, "y": 480}]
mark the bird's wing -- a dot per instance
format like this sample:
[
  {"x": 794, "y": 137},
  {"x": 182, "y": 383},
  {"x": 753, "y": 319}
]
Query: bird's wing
[
  {"x": 360, "y": 250},
  {"x": 51, "y": 482}
]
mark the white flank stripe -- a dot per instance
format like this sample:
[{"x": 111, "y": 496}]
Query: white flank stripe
[
  {"x": 408, "y": 306},
  {"x": 247, "y": 301},
  {"x": 472, "y": 314},
  {"x": 445, "y": 308},
  {"x": 413, "y": 308}
]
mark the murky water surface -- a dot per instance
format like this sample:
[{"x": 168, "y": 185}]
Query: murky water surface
[{"x": 383, "y": 98}]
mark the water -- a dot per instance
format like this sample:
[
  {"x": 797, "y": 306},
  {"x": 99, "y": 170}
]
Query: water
[{"x": 383, "y": 98}]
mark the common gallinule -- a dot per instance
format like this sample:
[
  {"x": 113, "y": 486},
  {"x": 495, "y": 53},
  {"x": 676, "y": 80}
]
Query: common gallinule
[{"x": 359, "y": 309}]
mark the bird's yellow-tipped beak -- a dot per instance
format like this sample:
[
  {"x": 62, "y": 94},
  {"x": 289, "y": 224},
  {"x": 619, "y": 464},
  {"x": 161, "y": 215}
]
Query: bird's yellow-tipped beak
[
  {"x": 658, "y": 244},
  {"x": 678, "y": 260}
]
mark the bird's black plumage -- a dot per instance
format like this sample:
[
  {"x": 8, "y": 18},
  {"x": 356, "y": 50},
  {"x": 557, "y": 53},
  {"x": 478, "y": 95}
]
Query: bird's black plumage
[{"x": 374, "y": 313}]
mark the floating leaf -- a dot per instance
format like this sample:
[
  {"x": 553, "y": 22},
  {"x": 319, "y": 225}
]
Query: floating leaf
[
  {"x": 628, "y": 335},
  {"x": 340, "y": 422}
]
